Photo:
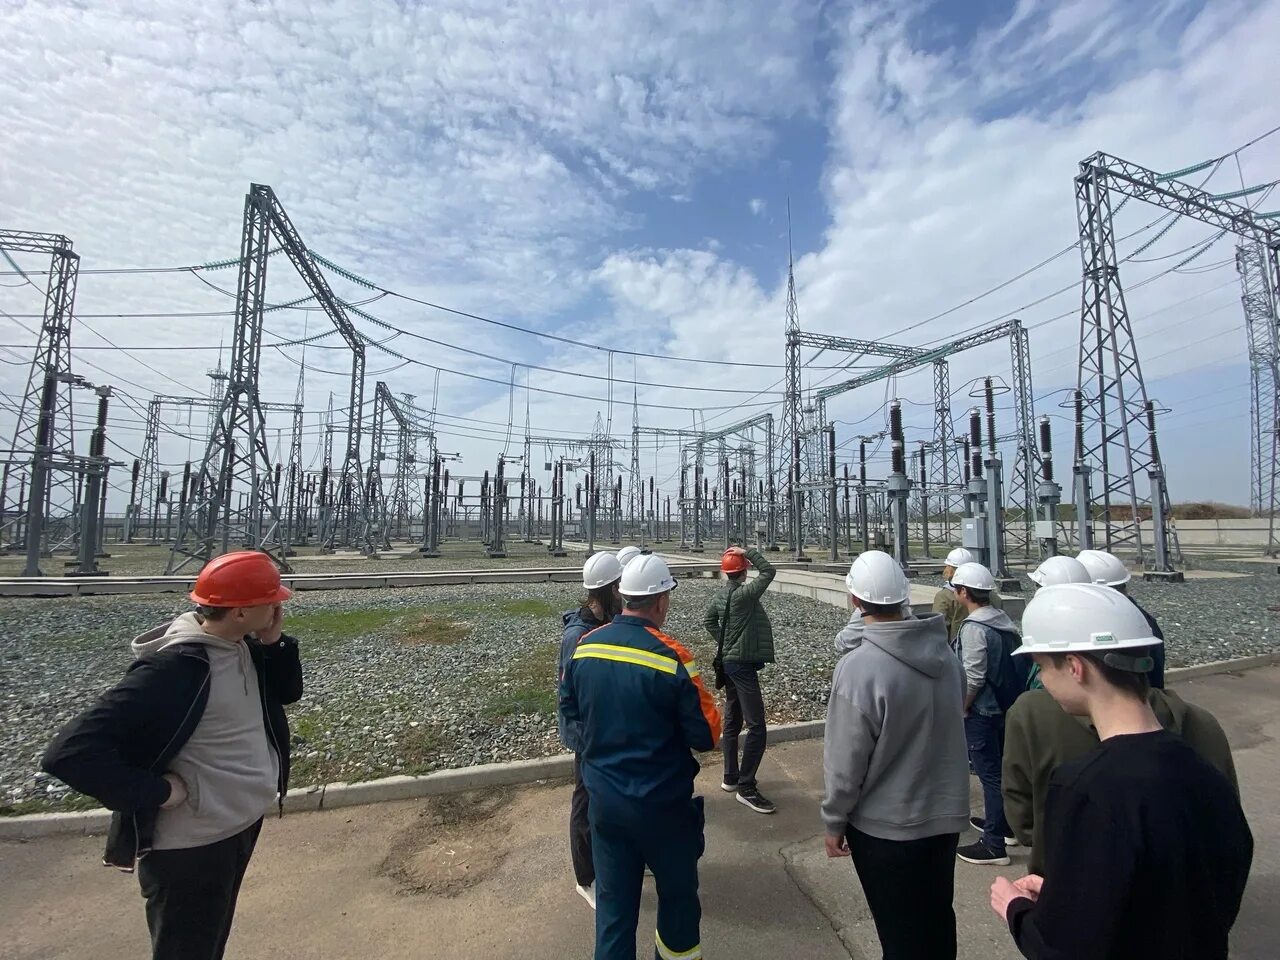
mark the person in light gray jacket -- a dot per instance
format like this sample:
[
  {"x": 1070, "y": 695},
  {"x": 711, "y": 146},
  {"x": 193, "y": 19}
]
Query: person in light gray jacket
[{"x": 897, "y": 785}]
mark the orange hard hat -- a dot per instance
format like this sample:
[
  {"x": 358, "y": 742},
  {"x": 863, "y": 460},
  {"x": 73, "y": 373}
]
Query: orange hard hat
[
  {"x": 732, "y": 561},
  {"x": 244, "y": 578}
]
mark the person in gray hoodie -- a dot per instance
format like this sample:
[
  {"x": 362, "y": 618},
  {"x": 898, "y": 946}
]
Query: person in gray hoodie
[
  {"x": 190, "y": 749},
  {"x": 896, "y": 779},
  {"x": 986, "y": 640}
]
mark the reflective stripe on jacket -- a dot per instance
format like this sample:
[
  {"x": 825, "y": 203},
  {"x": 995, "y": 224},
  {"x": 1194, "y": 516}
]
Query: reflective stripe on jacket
[{"x": 641, "y": 707}]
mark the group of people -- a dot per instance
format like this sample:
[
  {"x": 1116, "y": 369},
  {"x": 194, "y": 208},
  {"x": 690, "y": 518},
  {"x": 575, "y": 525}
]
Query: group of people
[{"x": 1125, "y": 793}]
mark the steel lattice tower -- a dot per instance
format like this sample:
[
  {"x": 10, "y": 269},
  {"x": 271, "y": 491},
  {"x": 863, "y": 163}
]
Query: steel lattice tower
[
  {"x": 1258, "y": 297},
  {"x": 944, "y": 465},
  {"x": 788, "y": 461},
  {"x": 44, "y": 432}
]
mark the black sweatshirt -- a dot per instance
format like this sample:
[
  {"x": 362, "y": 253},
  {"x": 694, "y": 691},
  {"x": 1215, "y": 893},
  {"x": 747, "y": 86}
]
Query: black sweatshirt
[{"x": 1146, "y": 856}]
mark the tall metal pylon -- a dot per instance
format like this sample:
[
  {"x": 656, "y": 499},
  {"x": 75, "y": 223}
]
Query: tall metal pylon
[
  {"x": 790, "y": 435},
  {"x": 1022, "y": 489},
  {"x": 635, "y": 489},
  {"x": 1258, "y": 297},
  {"x": 44, "y": 433},
  {"x": 237, "y": 502},
  {"x": 1117, "y": 438},
  {"x": 944, "y": 464}
]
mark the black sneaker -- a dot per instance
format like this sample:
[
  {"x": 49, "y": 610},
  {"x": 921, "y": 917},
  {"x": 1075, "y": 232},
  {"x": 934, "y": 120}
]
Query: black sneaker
[
  {"x": 728, "y": 786},
  {"x": 980, "y": 825},
  {"x": 753, "y": 798},
  {"x": 980, "y": 853}
]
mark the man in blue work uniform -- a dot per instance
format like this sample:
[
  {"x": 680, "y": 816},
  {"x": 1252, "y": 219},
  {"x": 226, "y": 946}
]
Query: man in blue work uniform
[{"x": 642, "y": 707}]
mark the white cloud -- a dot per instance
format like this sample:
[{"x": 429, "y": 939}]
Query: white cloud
[{"x": 756, "y": 205}]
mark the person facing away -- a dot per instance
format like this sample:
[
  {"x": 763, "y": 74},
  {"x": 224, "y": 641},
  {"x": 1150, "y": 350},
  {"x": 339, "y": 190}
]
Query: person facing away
[
  {"x": 986, "y": 639},
  {"x": 1040, "y": 736},
  {"x": 896, "y": 779},
  {"x": 737, "y": 620},
  {"x": 1106, "y": 568},
  {"x": 600, "y": 577},
  {"x": 1147, "y": 850},
  {"x": 945, "y": 602},
  {"x": 640, "y": 704},
  {"x": 190, "y": 749}
]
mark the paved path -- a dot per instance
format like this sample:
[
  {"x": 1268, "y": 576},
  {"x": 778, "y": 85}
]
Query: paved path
[{"x": 488, "y": 877}]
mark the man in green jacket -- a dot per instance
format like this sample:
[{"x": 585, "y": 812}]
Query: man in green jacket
[
  {"x": 738, "y": 622},
  {"x": 1040, "y": 736}
]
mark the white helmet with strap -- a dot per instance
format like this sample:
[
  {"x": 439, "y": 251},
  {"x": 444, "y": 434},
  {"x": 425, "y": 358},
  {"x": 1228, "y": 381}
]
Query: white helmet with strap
[
  {"x": 1086, "y": 618},
  {"x": 875, "y": 577},
  {"x": 600, "y": 570},
  {"x": 627, "y": 554},
  {"x": 958, "y": 557},
  {"x": 974, "y": 576},
  {"x": 1104, "y": 567},
  {"x": 1059, "y": 569},
  {"x": 646, "y": 576}
]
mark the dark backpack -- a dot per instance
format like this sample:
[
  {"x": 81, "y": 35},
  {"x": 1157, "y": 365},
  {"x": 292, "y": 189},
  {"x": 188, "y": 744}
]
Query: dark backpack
[{"x": 1007, "y": 675}]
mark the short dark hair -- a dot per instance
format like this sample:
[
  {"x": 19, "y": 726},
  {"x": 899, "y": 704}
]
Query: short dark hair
[
  {"x": 870, "y": 609},
  {"x": 212, "y": 614},
  {"x": 736, "y": 577},
  {"x": 1129, "y": 681},
  {"x": 981, "y": 597},
  {"x": 642, "y": 603}
]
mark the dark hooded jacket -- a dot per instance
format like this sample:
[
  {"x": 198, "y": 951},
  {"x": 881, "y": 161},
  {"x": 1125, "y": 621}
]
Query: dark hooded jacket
[{"x": 577, "y": 624}]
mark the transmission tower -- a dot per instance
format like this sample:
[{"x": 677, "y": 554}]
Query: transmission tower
[
  {"x": 635, "y": 490},
  {"x": 236, "y": 459},
  {"x": 788, "y": 460},
  {"x": 1260, "y": 314},
  {"x": 44, "y": 435}
]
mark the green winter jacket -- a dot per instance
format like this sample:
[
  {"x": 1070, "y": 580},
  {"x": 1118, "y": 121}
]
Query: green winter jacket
[
  {"x": 1039, "y": 736},
  {"x": 748, "y": 635}
]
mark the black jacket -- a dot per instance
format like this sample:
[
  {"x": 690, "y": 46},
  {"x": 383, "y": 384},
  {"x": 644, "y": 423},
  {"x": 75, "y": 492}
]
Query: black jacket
[{"x": 118, "y": 750}]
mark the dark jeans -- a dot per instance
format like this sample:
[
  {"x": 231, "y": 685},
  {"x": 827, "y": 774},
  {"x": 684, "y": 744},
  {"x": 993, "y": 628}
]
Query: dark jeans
[
  {"x": 743, "y": 703},
  {"x": 909, "y": 886},
  {"x": 580, "y": 829},
  {"x": 985, "y": 737},
  {"x": 191, "y": 895},
  {"x": 669, "y": 841}
]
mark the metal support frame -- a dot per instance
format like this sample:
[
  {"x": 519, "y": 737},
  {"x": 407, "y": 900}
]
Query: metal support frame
[
  {"x": 237, "y": 455},
  {"x": 1258, "y": 297},
  {"x": 44, "y": 430}
]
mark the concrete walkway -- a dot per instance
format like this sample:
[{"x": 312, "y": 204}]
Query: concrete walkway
[{"x": 487, "y": 876}]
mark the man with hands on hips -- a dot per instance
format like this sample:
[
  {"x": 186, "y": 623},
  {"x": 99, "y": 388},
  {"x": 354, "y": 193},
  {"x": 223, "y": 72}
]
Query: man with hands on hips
[{"x": 190, "y": 749}]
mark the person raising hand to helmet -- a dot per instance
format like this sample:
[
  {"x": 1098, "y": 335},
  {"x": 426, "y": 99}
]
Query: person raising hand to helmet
[
  {"x": 739, "y": 623},
  {"x": 190, "y": 749}
]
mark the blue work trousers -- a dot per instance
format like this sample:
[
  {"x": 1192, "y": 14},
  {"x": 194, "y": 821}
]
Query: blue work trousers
[
  {"x": 985, "y": 737},
  {"x": 669, "y": 841}
]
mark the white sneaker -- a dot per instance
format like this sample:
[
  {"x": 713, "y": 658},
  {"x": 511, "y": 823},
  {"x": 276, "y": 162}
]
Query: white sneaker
[{"x": 587, "y": 893}]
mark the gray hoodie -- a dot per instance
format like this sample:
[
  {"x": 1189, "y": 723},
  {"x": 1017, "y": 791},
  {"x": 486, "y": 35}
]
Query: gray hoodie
[
  {"x": 229, "y": 765},
  {"x": 894, "y": 751},
  {"x": 974, "y": 640}
]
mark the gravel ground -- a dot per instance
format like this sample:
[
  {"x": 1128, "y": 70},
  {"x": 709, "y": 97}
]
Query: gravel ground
[
  {"x": 407, "y": 681},
  {"x": 397, "y": 681}
]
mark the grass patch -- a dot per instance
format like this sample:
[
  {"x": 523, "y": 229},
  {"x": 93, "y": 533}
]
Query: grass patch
[
  {"x": 434, "y": 630},
  {"x": 72, "y": 801},
  {"x": 436, "y": 623},
  {"x": 530, "y": 684},
  {"x": 341, "y": 624}
]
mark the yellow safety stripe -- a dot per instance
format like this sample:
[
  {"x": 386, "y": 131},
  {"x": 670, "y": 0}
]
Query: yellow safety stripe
[
  {"x": 640, "y": 658},
  {"x": 666, "y": 953}
]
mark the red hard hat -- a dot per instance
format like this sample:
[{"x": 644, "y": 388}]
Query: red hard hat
[
  {"x": 245, "y": 578},
  {"x": 731, "y": 561}
]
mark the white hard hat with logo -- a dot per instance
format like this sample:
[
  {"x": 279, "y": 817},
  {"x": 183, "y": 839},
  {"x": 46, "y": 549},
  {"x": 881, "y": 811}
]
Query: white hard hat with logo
[
  {"x": 646, "y": 576},
  {"x": 1086, "y": 618},
  {"x": 1104, "y": 567},
  {"x": 1059, "y": 569},
  {"x": 627, "y": 554},
  {"x": 958, "y": 557},
  {"x": 600, "y": 570},
  {"x": 974, "y": 576},
  {"x": 875, "y": 577}
]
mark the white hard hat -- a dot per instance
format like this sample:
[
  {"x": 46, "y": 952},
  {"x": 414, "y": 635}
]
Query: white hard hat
[
  {"x": 627, "y": 554},
  {"x": 875, "y": 577},
  {"x": 645, "y": 576},
  {"x": 1084, "y": 618},
  {"x": 1104, "y": 568},
  {"x": 959, "y": 556},
  {"x": 1059, "y": 569},
  {"x": 973, "y": 575},
  {"x": 600, "y": 570}
]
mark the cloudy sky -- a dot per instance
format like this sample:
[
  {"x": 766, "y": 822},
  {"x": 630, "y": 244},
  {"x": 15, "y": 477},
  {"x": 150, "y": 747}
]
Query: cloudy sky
[{"x": 619, "y": 174}]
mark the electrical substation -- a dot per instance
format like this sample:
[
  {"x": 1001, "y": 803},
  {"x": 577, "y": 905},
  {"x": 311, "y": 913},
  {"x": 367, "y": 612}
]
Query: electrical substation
[{"x": 788, "y": 478}]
